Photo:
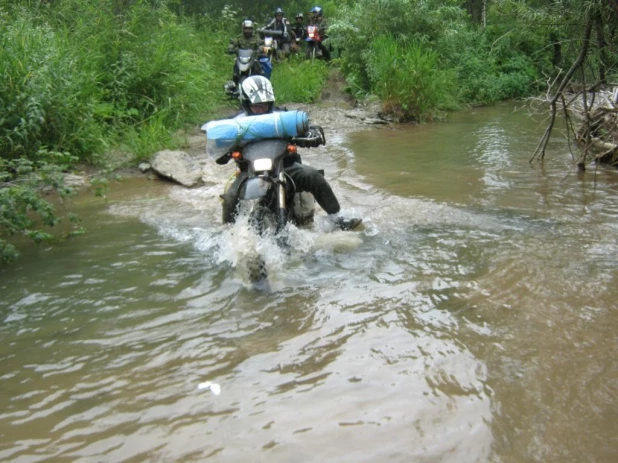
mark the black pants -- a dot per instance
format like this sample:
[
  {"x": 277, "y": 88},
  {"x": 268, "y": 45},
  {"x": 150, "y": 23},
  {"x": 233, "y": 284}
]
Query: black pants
[{"x": 305, "y": 178}]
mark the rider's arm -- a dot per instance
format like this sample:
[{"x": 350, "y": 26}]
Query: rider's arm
[
  {"x": 232, "y": 48},
  {"x": 324, "y": 28},
  {"x": 260, "y": 48}
]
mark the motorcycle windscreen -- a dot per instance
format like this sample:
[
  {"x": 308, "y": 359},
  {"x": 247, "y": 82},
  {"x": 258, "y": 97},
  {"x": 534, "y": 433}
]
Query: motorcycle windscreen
[
  {"x": 254, "y": 188},
  {"x": 265, "y": 149},
  {"x": 245, "y": 59}
]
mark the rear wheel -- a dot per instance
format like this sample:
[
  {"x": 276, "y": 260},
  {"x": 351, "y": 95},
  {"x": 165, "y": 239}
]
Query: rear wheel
[
  {"x": 257, "y": 272},
  {"x": 262, "y": 220}
]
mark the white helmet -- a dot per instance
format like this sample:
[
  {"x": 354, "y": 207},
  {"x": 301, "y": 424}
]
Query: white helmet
[
  {"x": 247, "y": 28},
  {"x": 257, "y": 95}
]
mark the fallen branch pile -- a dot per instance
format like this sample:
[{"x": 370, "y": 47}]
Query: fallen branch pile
[{"x": 597, "y": 130}]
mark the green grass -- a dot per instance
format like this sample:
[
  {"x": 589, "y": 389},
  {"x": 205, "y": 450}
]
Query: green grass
[
  {"x": 299, "y": 80},
  {"x": 408, "y": 79}
]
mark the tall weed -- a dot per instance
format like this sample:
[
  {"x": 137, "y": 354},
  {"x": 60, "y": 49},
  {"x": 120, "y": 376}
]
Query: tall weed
[
  {"x": 408, "y": 79},
  {"x": 42, "y": 92}
]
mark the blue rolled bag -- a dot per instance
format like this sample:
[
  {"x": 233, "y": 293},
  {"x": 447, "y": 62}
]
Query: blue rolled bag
[{"x": 224, "y": 135}]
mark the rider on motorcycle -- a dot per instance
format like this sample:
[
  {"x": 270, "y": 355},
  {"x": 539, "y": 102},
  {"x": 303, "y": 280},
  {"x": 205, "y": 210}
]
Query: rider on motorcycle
[
  {"x": 317, "y": 19},
  {"x": 257, "y": 97},
  {"x": 246, "y": 40},
  {"x": 298, "y": 30},
  {"x": 279, "y": 23}
]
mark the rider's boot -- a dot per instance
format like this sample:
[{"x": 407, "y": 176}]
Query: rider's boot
[{"x": 345, "y": 223}]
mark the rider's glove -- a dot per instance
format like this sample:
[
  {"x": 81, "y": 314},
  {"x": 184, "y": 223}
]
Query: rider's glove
[
  {"x": 286, "y": 35},
  {"x": 316, "y": 132},
  {"x": 224, "y": 159},
  {"x": 315, "y": 137}
]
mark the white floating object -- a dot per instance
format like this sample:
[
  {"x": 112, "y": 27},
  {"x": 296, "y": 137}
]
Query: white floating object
[{"x": 214, "y": 387}]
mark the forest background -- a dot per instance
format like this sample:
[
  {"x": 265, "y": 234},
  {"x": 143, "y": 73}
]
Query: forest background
[{"x": 108, "y": 83}]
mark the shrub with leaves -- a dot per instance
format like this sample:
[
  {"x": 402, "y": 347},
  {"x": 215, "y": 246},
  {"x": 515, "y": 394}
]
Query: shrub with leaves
[
  {"x": 487, "y": 64},
  {"x": 23, "y": 209},
  {"x": 408, "y": 79},
  {"x": 43, "y": 92}
]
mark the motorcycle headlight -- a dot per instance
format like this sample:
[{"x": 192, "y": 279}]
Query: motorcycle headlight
[{"x": 261, "y": 165}]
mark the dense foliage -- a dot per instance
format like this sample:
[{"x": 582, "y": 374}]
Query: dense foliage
[
  {"x": 83, "y": 78},
  {"x": 472, "y": 65},
  {"x": 79, "y": 79}
]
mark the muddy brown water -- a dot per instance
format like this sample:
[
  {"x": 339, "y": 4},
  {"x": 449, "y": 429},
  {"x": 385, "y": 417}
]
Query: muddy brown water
[{"x": 473, "y": 319}]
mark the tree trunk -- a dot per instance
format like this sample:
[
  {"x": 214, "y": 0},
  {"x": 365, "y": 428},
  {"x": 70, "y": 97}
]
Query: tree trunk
[
  {"x": 475, "y": 9},
  {"x": 602, "y": 44},
  {"x": 539, "y": 152}
]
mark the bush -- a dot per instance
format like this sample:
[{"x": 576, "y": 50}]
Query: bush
[
  {"x": 23, "y": 210},
  {"x": 42, "y": 93},
  {"x": 408, "y": 79}
]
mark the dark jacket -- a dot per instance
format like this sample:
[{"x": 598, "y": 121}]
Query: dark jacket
[
  {"x": 299, "y": 30},
  {"x": 242, "y": 42},
  {"x": 281, "y": 26}
]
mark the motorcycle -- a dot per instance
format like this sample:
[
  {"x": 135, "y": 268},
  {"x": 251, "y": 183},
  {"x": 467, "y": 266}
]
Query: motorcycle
[
  {"x": 314, "y": 41},
  {"x": 271, "y": 42},
  {"x": 267, "y": 195},
  {"x": 246, "y": 65},
  {"x": 271, "y": 48}
]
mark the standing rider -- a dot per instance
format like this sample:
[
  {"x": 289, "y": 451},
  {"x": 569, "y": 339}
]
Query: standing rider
[
  {"x": 317, "y": 19},
  {"x": 279, "y": 23},
  {"x": 257, "y": 97},
  {"x": 246, "y": 40}
]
